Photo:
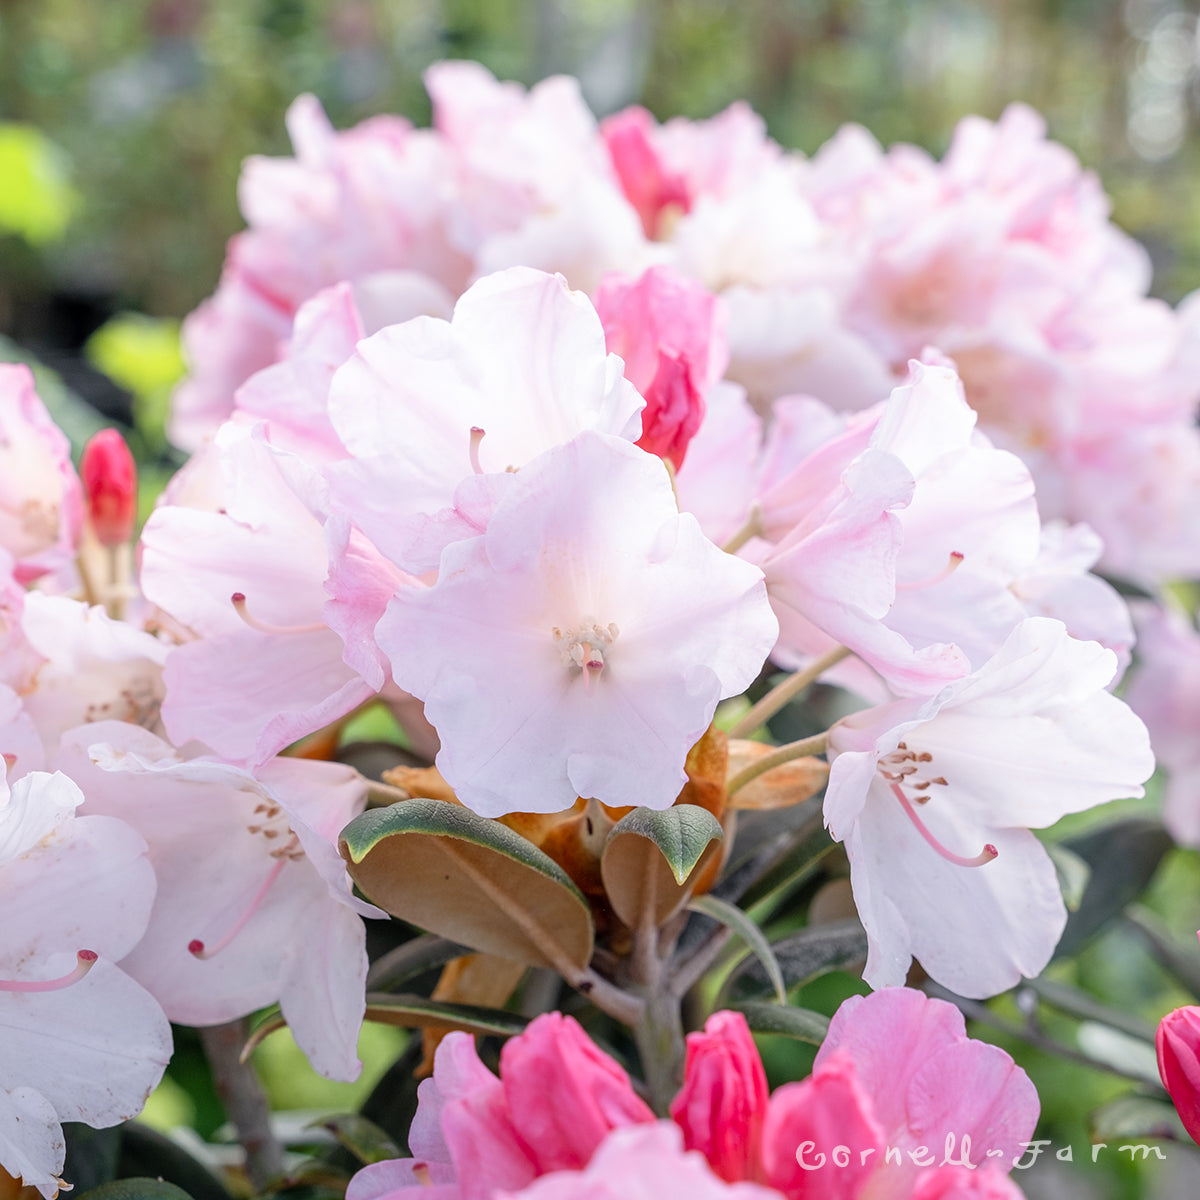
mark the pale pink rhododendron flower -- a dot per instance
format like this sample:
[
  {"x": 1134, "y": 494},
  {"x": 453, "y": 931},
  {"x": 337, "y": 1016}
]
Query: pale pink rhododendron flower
[
  {"x": 367, "y": 206},
  {"x": 956, "y": 525},
  {"x": 93, "y": 668},
  {"x": 243, "y": 861},
  {"x": 246, "y": 575},
  {"x": 521, "y": 367},
  {"x": 579, "y": 645},
  {"x": 86, "y": 1044},
  {"x": 41, "y": 500},
  {"x": 942, "y": 861},
  {"x": 1164, "y": 690},
  {"x": 533, "y": 182}
]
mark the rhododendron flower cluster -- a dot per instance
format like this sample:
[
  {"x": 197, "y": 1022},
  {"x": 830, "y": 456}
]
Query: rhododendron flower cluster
[
  {"x": 900, "y": 1099},
  {"x": 582, "y": 450}
]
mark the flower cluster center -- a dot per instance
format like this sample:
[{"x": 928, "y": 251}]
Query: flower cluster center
[{"x": 586, "y": 645}]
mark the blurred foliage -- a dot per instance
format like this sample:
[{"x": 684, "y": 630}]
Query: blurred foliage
[{"x": 155, "y": 103}]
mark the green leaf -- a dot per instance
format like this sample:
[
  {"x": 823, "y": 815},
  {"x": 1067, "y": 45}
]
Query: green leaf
[
  {"x": 146, "y": 1152},
  {"x": 681, "y": 833},
  {"x": 1182, "y": 961},
  {"x": 136, "y": 1189},
  {"x": 416, "y": 956},
  {"x": 800, "y": 1023},
  {"x": 443, "y": 868},
  {"x": 420, "y": 1012},
  {"x": 1136, "y": 1117},
  {"x": 733, "y": 917},
  {"x": 650, "y": 856},
  {"x": 811, "y": 952},
  {"x": 364, "y": 1139},
  {"x": 1073, "y": 874},
  {"x": 1122, "y": 859}
]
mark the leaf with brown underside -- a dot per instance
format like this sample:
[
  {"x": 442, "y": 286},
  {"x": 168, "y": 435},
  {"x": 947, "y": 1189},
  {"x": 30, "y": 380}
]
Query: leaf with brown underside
[
  {"x": 652, "y": 859},
  {"x": 479, "y": 979},
  {"x": 780, "y": 787},
  {"x": 452, "y": 872}
]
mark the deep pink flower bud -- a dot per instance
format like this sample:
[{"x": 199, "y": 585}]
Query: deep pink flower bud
[
  {"x": 1178, "y": 1042},
  {"x": 723, "y": 1101},
  {"x": 567, "y": 1093},
  {"x": 648, "y": 183},
  {"x": 110, "y": 484},
  {"x": 668, "y": 331}
]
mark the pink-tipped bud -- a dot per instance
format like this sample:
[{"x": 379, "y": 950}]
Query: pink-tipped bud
[
  {"x": 1178, "y": 1044},
  {"x": 110, "y": 483},
  {"x": 723, "y": 1101}
]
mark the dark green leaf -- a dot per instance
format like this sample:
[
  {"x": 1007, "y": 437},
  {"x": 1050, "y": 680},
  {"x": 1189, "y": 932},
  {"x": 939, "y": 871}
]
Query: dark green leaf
[
  {"x": 649, "y": 857},
  {"x": 1122, "y": 858},
  {"x": 136, "y": 1189},
  {"x": 1181, "y": 960},
  {"x": 745, "y": 928},
  {"x": 91, "y": 1155},
  {"x": 1073, "y": 874},
  {"x": 1136, "y": 1117},
  {"x": 681, "y": 833},
  {"x": 420, "y": 1012},
  {"x": 811, "y": 952},
  {"x": 364, "y": 1139},
  {"x": 785, "y": 1019},
  {"x": 145, "y": 1151}
]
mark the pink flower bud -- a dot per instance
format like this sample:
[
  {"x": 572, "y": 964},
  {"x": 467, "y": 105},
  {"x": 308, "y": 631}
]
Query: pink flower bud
[
  {"x": 1178, "y": 1042},
  {"x": 668, "y": 331},
  {"x": 723, "y": 1101},
  {"x": 648, "y": 183},
  {"x": 568, "y": 1093},
  {"x": 110, "y": 482}
]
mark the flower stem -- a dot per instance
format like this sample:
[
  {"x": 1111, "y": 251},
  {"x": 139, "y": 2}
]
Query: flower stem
[
  {"x": 752, "y": 528},
  {"x": 788, "y": 690},
  {"x": 783, "y": 754},
  {"x": 245, "y": 1102}
]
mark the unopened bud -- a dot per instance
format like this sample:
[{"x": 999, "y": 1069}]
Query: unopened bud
[
  {"x": 1178, "y": 1044},
  {"x": 110, "y": 483}
]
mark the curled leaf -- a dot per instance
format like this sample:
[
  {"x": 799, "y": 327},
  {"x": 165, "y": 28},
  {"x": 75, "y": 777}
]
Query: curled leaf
[
  {"x": 448, "y": 870},
  {"x": 649, "y": 857}
]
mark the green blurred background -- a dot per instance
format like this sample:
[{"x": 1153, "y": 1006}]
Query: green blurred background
[{"x": 126, "y": 120}]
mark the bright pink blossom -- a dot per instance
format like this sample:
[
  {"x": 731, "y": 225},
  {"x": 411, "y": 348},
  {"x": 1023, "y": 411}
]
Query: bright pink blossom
[
  {"x": 666, "y": 329},
  {"x": 1178, "y": 1045},
  {"x": 110, "y": 484}
]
